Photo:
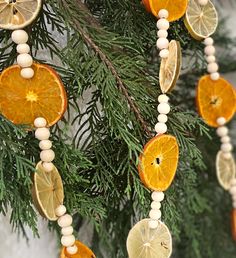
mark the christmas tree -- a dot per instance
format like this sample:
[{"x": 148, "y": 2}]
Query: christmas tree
[{"x": 105, "y": 52}]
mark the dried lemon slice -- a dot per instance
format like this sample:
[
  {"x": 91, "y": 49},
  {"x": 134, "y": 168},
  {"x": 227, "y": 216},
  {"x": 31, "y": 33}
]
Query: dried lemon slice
[
  {"x": 170, "y": 67},
  {"x": 144, "y": 242},
  {"x": 18, "y": 13},
  {"x": 201, "y": 21},
  {"x": 47, "y": 191},
  {"x": 225, "y": 169}
]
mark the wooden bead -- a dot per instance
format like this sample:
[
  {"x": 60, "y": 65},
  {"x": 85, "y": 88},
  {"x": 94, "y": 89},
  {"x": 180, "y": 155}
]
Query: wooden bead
[
  {"x": 163, "y": 98},
  {"x": 48, "y": 166},
  {"x": 233, "y": 224},
  {"x": 209, "y": 41},
  {"x": 158, "y": 196},
  {"x": 27, "y": 73},
  {"x": 212, "y": 67},
  {"x": 163, "y": 13},
  {"x": 232, "y": 190},
  {"x": 155, "y": 205},
  {"x": 162, "y": 43},
  {"x": 42, "y": 133},
  {"x": 160, "y": 128},
  {"x": 162, "y": 118},
  {"x": 226, "y": 147},
  {"x": 221, "y": 121},
  {"x": 163, "y": 24},
  {"x": 215, "y": 76},
  {"x": 45, "y": 145},
  {"x": 225, "y": 139},
  {"x": 24, "y": 60},
  {"x": 65, "y": 221},
  {"x": 68, "y": 240},
  {"x": 209, "y": 50},
  {"x": 19, "y": 36},
  {"x": 162, "y": 34},
  {"x": 155, "y": 214},
  {"x": 234, "y": 205},
  {"x": 153, "y": 224},
  {"x": 67, "y": 231},
  {"x": 23, "y": 48},
  {"x": 60, "y": 210},
  {"x": 164, "y": 53},
  {"x": 211, "y": 59},
  {"x": 163, "y": 108},
  {"x": 40, "y": 122},
  {"x": 72, "y": 250},
  {"x": 47, "y": 155},
  {"x": 222, "y": 131}
]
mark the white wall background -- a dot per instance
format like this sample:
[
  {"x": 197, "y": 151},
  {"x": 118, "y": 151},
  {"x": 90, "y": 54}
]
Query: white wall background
[{"x": 14, "y": 246}]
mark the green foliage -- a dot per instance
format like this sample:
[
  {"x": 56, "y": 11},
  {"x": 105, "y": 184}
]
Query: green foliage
[{"x": 109, "y": 63}]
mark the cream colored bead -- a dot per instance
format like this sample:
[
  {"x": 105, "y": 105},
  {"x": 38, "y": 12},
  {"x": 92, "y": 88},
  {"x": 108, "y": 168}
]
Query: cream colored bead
[
  {"x": 23, "y": 48},
  {"x": 222, "y": 131},
  {"x": 221, "y": 121},
  {"x": 72, "y": 250},
  {"x": 212, "y": 67},
  {"x": 162, "y": 43},
  {"x": 203, "y": 2},
  {"x": 153, "y": 224},
  {"x": 209, "y": 50},
  {"x": 155, "y": 214},
  {"x": 162, "y": 34},
  {"x": 24, "y": 60},
  {"x": 234, "y": 205},
  {"x": 155, "y": 205},
  {"x": 163, "y": 13},
  {"x": 209, "y": 41},
  {"x": 225, "y": 139},
  {"x": 68, "y": 240},
  {"x": 40, "y": 122},
  {"x": 60, "y": 210},
  {"x": 162, "y": 118},
  {"x": 19, "y": 36},
  {"x": 48, "y": 166},
  {"x": 161, "y": 128},
  {"x": 164, "y": 53},
  {"x": 47, "y": 155},
  {"x": 158, "y": 196},
  {"x": 232, "y": 190},
  {"x": 163, "y": 24},
  {"x": 163, "y": 108},
  {"x": 65, "y": 221},
  {"x": 27, "y": 73},
  {"x": 215, "y": 76},
  {"x": 210, "y": 59},
  {"x": 227, "y": 155},
  {"x": 45, "y": 145},
  {"x": 226, "y": 147},
  {"x": 163, "y": 98},
  {"x": 67, "y": 231},
  {"x": 42, "y": 133}
]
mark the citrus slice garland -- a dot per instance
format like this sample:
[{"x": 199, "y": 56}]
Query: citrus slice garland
[
  {"x": 226, "y": 170},
  {"x": 23, "y": 100},
  {"x": 215, "y": 99},
  {"x": 158, "y": 163},
  {"x": 176, "y": 8},
  {"x": 170, "y": 67},
  {"x": 201, "y": 20},
  {"x": 143, "y": 242},
  {"x": 83, "y": 252},
  {"x": 47, "y": 191},
  {"x": 19, "y": 13}
]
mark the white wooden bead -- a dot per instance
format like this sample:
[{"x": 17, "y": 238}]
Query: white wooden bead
[
  {"x": 164, "y": 53},
  {"x": 161, "y": 128},
  {"x": 68, "y": 240},
  {"x": 163, "y": 98},
  {"x": 163, "y": 24},
  {"x": 47, "y": 155},
  {"x": 232, "y": 190},
  {"x": 225, "y": 139},
  {"x": 227, "y": 155},
  {"x": 155, "y": 214},
  {"x": 222, "y": 131},
  {"x": 163, "y": 13},
  {"x": 226, "y": 147},
  {"x": 60, "y": 210},
  {"x": 209, "y": 41},
  {"x": 72, "y": 250},
  {"x": 19, "y": 36},
  {"x": 153, "y": 224},
  {"x": 234, "y": 198},
  {"x": 210, "y": 59},
  {"x": 24, "y": 60},
  {"x": 67, "y": 231},
  {"x": 221, "y": 121},
  {"x": 65, "y": 221},
  {"x": 27, "y": 73},
  {"x": 23, "y": 48},
  {"x": 45, "y": 145},
  {"x": 215, "y": 76},
  {"x": 162, "y": 43},
  {"x": 40, "y": 122},
  {"x": 203, "y": 2},
  {"x": 234, "y": 205},
  {"x": 163, "y": 108},
  {"x": 162, "y": 118},
  {"x": 162, "y": 33},
  {"x": 212, "y": 67},
  {"x": 233, "y": 182},
  {"x": 209, "y": 50},
  {"x": 42, "y": 133},
  {"x": 48, "y": 166},
  {"x": 158, "y": 196},
  {"x": 155, "y": 205}
]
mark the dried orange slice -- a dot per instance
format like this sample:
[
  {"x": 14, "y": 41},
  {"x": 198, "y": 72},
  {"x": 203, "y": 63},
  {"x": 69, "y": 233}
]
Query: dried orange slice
[
  {"x": 176, "y": 8},
  {"x": 144, "y": 242},
  {"x": 233, "y": 224},
  {"x": 47, "y": 191},
  {"x": 18, "y": 13},
  {"x": 83, "y": 252},
  {"x": 201, "y": 21},
  {"x": 225, "y": 169},
  {"x": 215, "y": 99},
  {"x": 158, "y": 162},
  {"x": 170, "y": 67},
  {"x": 23, "y": 100}
]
